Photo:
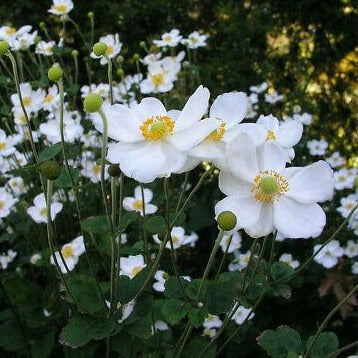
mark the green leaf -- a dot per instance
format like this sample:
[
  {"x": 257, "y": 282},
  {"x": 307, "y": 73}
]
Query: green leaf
[
  {"x": 64, "y": 180},
  {"x": 193, "y": 289},
  {"x": 174, "y": 310},
  {"x": 141, "y": 328},
  {"x": 85, "y": 291},
  {"x": 281, "y": 271},
  {"x": 127, "y": 219},
  {"x": 11, "y": 338},
  {"x": 22, "y": 291},
  {"x": 279, "y": 343},
  {"x": 325, "y": 344},
  {"x": 173, "y": 287},
  {"x": 82, "y": 329},
  {"x": 95, "y": 224},
  {"x": 197, "y": 316},
  {"x": 220, "y": 296},
  {"x": 155, "y": 224},
  {"x": 197, "y": 345},
  {"x": 43, "y": 345},
  {"x": 50, "y": 152}
]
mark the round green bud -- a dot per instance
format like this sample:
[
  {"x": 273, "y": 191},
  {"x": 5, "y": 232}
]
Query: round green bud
[
  {"x": 227, "y": 220},
  {"x": 50, "y": 169},
  {"x": 136, "y": 57},
  {"x": 55, "y": 73},
  {"x": 120, "y": 72},
  {"x": 74, "y": 53},
  {"x": 100, "y": 48},
  {"x": 4, "y": 47},
  {"x": 90, "y": 14},
  {"x": 113, "y": 170},
  {"x": 119, "y": 59},
  {"x": 93, "y": 103},
  {"x": 268, "y": 185},
  {"x": 42, "y": 25},
  {"x": 38, "y": 39},
  {"x": 142, "y": 44}
]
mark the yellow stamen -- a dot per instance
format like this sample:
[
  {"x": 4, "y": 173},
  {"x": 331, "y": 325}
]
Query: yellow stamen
[
  {"x": 96, "y": 169},
  {"x": 27, "y": 101},
  {"x": 110, "y": 50},
  {"x": 62, "y": 8},
  {"x": 3, "y": 145},
  {"x": 2, "y": 204},
  {"x": 136, "y": 270},
  {"x": 49, "y": 98},
  {"x": 67, "y": 251},
  {"x": 218, "y": 134},
  {"x": 158, "y": 127},
  {"x": 10, "y": 31},
  {"x": 268, "y": 186},
  {"x": 43, "y": 212},
  {"x": 167, "y": 38},
  {"x": 158, "y": 79},
  {"x": 138, "y": 205},
  {"x": 270, "y": 135}
]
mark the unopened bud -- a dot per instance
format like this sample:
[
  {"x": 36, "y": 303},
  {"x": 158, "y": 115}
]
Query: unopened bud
[
  {"x": 90, "y": 14},
  {"x": 74, "y": 53},
  {"x": 55, "y": 73},
  {"x": 113, "y": 170},
  {"x": 100, "y": 48},
  {"x": 227, "y": 220},
  {"x": 136, "y": 57},
  {"x": 93, "y": 103},
  {"x": 4, "y": 47}
]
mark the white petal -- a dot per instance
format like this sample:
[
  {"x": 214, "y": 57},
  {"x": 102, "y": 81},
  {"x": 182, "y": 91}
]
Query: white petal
[
  {"x": 269, "y": 122},
  {"x": 297, "y": 220},
  {"x": 230, "y": 185},
  {"x": 255, "y": 131},
  {"x": 149, "y": 107},
  {"x": 264, "y": 224},
  {"x": 147, "y": 193},
  {"x": 175, "y": 159},
  {"x": 128, "y": 203},
  {"x": 241, "y": 157},
  {"x": 194, "y": 109},
  {"x": 208, "y": 149},
  {"x": 311, "y": 184},
  {"x": 189, "y": 138},
  {"x": 289, "y": 133},
  {"x": 271, "y": 156},
  {"x": 230, "y": 107}
]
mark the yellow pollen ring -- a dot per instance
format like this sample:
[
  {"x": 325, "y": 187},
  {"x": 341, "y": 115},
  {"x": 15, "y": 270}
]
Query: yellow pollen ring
[
  {"x": 3, "y": 145},
  {"x": 158, "y": 79},
  {"x": 2, "y": 204},
  {"x": 138, "y": 205},
  {"x": 218, "y": 134},
  {"x": 60, "y": 8},
  {"x": 10, "y": 31},
  {"x": 268, "y": 186},
  {"x": 136, "y": 270},
  {"x": 67, "y": 251},
  {"x": 158, "y": 127}
]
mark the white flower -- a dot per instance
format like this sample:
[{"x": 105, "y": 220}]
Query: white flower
[
  {"x": 233, "y": 240},
  {"x": 268, "y": 129},
  {"x": 35, "y": 258},
  {"x": 241, "y": 314},
  {"x": 7, "y": 201},
  {"x": 209, "y": 332},
  {"x": 273, "y": 97},
  {"x": 38, "y": 212},
  {"x": 265, "y": 196},
  {"x": 24, "y": 41},
  {"x": 6, "y": 258},
  {"x": 31, "y": 99},
  {"x": 212, "y": 321},
  {"x": 51, "y": 101},
  {"x": 114, "y": 47},
  {"x": 304, "y": 118},
  {"x": 161, "y": 277},
  {"x": 92, "y": 170},
  {"x": 7, "y": 144},
  {"x": 45, "y": 48},
  {"x": 351, "y": 250},
  {"x": 179, "y": 238},
  {"x": 343, "y": 179},
  {"x": 17, "y": 186},
  {"x": 136, "y": 203},
  {"x": 328, "y": 256},
  {"x": 61, "y": 7},
  {"x": 152, "y": 142},
  {"x": 127, "y": 310},
  {"x": 70, "y": 253},
  {"x": 335, "y": 160},
  {"x": 228, "y": 110},
  {"x": 347, "y": 204},
  {"x": 131, "y": 266},
  {"x": 240, "y": 262},
  {"x": 195, "y": 40},
  {"x": 288, "y": 260},
  {"x": 317, "y": 147},
  {"x": 160, "y": 326},
  {"x": 259, "y": 88},
  {"x": 355, "y": 271},
  {"x": 151, "y": 58},
  {"x": 169, "y": 39}
]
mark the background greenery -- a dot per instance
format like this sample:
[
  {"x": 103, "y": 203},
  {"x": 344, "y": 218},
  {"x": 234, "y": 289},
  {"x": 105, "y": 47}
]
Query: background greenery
[{"x": 307, "y": 50}]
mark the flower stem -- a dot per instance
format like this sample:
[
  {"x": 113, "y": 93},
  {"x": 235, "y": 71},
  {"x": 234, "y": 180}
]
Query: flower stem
[{"x": 110, "y": 77}]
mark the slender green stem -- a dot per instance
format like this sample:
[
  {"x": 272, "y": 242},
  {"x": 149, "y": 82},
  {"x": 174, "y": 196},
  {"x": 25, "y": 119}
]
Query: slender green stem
[
  {"x": 343, "y": 349},
  {"x": 182, "y": 191},
  {"x": 327, "y": 319},
  {"x": 110, "y": 77},
  {"x": 224, "y": 257},
  {"x": 77, "y": 28}
]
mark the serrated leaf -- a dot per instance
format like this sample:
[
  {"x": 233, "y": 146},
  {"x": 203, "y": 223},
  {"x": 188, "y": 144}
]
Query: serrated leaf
[
  {"x": 95, "y": 224},
  {"x": 174, "y": 310},
  {"x": 155, "y": 224},
  {"x": 197, "y": 316},
  {"x": 281, "y": 271},
  {"x": 82, "y": 329},
  {"x": 326, "y": 343},
  {"x": 64, "y": 180},
  {"x": 127, "y": 219},
  {"x": 279, "y": 343},
  {"x": 193, "y": 289},
  {"x": 220, "y": 296},
  {"x": 173, "y": 287}
]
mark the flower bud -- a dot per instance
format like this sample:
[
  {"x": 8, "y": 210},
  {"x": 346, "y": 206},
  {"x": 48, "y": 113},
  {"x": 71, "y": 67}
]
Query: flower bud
[
  {"x": 4, "y": 47},
  {"x": 136, "y": 57},
  {"x": 113, "y": 170},
  {"x": 50, "y": 169},
  {"x": 93, "y": 103},
  {"x": 142, "y": 44},
  {"x": 120, "y": 72},
  {"x": 100, "y": 48},
  {"x": 227, "y": 220},
  {"x": 90, "y": 14},
  {"x": 74, "y": 53},
  {"x": 55, "y": 73},
  {"x": 42, "y": 25}
]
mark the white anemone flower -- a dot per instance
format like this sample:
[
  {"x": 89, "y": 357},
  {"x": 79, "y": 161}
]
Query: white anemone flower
[
  {"x": 317, "y": 147},
  {"x": 152, "y": 143},
  {"x": 32, "y": 99},
  {"x": 136, "y": 203},
  {"x": 131, "y": 266},
  {"x": 347, "y": 204},
  {"x": 241, "y": 314},
  {"x": 212, "y": 321},
  {"x": 7, "y": 144},
  {"x": 268, "y": 128},
  {"x": 160, "y": 277},
  {"x": 61, "y": 7},
  {"x": 45, "y": 48},
  {"x": 178, "y": 238},
  {"x": 329, "y": 255},
  {"x": 343, "y": 180},
  {"x": 230, "y": 243},
  {"x": 336, "y": 160},
  {"x": 7, "y": 201},
  {"x": 114, "y": 47},
  {"x": 351, "y": 250},
  {"x": 38, "y": 212},
  {"x": 70, "y": 253},
  {"x": 195, "y": 40},
  {"x": 229, "y": 109},
  {"x": 288, "y": 260},
  {"x": 265, "y": 196},
  {"x": 169, "y": 39}
]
